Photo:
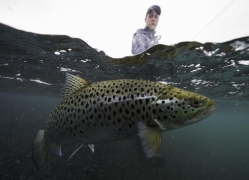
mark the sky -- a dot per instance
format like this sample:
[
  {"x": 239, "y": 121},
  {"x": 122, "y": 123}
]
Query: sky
[{"x": 109, "y": 25}]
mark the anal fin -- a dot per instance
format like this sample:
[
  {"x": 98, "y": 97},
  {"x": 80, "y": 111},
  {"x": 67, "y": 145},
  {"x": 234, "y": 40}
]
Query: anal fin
[
  {"x": 56, "y": 149},
  {"x": 151, "y": 138}
]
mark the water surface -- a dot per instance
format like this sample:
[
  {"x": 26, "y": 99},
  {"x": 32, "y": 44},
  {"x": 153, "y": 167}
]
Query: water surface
[{"x": 32, "y": 73}]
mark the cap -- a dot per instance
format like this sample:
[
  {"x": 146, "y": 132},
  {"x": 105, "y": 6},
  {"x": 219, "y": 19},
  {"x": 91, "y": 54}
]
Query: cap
[{"x": 155, "y": 9}]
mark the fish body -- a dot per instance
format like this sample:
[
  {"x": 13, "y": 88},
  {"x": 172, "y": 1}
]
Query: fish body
[{"x": 100, "y": 112}]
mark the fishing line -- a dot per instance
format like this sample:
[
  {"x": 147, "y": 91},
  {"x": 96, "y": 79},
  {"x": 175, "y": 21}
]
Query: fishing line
[{"x": 213, "y": 19}]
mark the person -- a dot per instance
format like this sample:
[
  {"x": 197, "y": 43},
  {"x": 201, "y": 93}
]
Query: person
[{"x": 145, "y": 38}]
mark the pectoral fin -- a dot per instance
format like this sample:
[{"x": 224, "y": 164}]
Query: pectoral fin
[{"x": 151, "y": 138}]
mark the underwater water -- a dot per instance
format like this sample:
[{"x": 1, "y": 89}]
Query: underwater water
[{"x": 32, "y": 73}]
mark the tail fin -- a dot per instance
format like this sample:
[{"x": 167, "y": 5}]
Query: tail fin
[{"x": 39, "y": 149}]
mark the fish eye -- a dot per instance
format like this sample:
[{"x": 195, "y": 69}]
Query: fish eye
[{"x": 196, "y": 103}]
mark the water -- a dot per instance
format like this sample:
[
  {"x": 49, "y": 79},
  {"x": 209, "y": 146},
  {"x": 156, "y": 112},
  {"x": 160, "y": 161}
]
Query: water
[{"x": 32, "y": 73}]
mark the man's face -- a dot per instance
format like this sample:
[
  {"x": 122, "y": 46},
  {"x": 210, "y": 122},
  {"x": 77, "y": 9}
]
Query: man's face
[{"x": 151, "y": 20}]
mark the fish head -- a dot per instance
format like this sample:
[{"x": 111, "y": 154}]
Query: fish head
[{"x": 177, "y": 108}]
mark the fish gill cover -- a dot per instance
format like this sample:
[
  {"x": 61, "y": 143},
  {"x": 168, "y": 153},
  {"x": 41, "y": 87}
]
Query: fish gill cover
[{"x": 34, "y": 63}]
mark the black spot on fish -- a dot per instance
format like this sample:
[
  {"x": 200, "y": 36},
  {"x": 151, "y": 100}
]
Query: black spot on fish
[
  {"x": 120, "y": 129},
  {"x": 165, "y": 117},
  {"x": 109, "y": 117},
  {"x": 120, "y": 110},
  {"x": 88, "y": 124},
  {"x": 140, "y": 101},
  {"x": 119, "y": 120},
  {"x": 118, "y": 91},
  {"x": 138, "y": 111},
  {"x": 71, "y": 122},
  {"x": 83, "y": 121}
]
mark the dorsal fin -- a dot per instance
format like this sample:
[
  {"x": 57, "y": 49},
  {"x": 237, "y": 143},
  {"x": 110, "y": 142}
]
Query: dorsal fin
[{"x": 73, "y": 84}]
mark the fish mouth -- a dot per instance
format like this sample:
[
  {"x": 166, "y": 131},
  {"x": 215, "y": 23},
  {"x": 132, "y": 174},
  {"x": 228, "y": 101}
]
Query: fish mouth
[
  {"x": 202, "y": 115},
  {"x": 208, "y": 111}
]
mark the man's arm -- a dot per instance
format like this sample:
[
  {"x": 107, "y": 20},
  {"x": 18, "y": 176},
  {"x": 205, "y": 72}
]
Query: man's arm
[{"x": 138, "y": 44}]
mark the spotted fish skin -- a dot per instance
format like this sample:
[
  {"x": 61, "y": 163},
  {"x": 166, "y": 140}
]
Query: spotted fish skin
[
  {"x": 104, "y": 111},
  {"x": 119, "y": 109}
]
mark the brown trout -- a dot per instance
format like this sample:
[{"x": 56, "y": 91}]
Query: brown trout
[{"x": 113, "y": 110}]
